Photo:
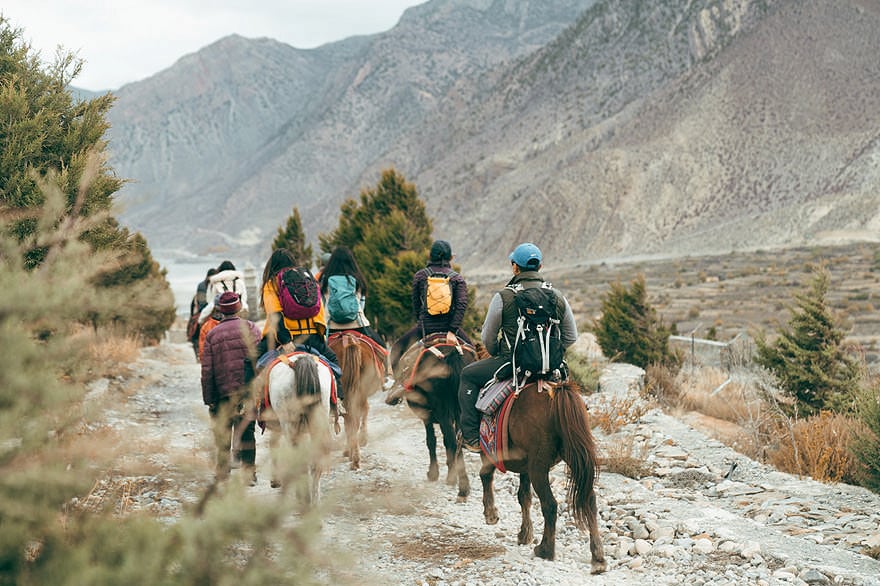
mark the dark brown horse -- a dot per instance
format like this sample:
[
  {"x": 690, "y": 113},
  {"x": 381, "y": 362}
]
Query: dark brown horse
[
  {"x": 362, "y": 374},
  {"x": 546, "y": 424},
  {"x": 433, "y": 370}
]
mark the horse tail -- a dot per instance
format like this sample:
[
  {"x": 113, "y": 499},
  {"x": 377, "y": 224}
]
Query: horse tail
[
  {"x": 351, "y": 372},
  {"x": 579, "y": 452},
  {"x": 305, "y": 373}
]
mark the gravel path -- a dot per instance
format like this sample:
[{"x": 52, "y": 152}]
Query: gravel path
[{"x": 685, "y": 524}]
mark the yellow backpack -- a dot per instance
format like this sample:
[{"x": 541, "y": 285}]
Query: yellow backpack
[{"x": 438, "y": 293}]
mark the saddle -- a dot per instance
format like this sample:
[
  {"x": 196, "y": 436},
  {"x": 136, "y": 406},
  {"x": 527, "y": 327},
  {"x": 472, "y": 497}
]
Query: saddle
[
  {"x": 348, "y": 337},
  {"x": 494, "y": 425},
  {"x": 437, "y": 345},
  {"x": 289, "y": 358}
]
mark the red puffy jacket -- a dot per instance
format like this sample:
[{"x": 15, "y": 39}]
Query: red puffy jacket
[{"x": 226, "y": 348}]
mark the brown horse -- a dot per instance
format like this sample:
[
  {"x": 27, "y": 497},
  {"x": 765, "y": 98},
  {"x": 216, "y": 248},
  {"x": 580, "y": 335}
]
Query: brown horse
[
  {"x": 432, "y": 376},
  {"x": 548, "y": 423},
  {"x": 362, "y": 374}
]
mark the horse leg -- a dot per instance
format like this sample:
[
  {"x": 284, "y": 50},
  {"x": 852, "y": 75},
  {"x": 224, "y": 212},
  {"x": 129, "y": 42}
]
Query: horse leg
[
  {"x": 352, "y": 425},
  {"x": 541, "y": 481},
  {"x": 455, "y": 462},
  {"x": 487, "y": 475},
  {"x": 524, "y": 496},
  {"x": 450, "y": 445},
  {"x": 431, "y": 442},
  {"x": 464, "y": 483},
  {"x": 274, "y": 436},
  {"x": 596, "y": 552},
  {"x": 362, "y": 435}
]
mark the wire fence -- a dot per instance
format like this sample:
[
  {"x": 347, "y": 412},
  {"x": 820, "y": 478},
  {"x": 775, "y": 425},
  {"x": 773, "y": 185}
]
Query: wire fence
[{"x": 697, "y": 352}]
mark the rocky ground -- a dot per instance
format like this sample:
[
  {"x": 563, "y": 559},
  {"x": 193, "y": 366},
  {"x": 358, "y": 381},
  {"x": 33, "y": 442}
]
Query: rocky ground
[{"x": 705, "y": 514}]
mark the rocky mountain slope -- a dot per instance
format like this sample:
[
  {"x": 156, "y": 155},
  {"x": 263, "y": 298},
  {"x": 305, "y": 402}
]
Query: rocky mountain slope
[
  {"x": 223, "y": 144},
  {"x": 682, "y": 127}
]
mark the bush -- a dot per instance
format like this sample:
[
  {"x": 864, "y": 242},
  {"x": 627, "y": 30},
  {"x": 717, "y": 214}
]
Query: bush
[
  {"x": 808, "y": 356},
  {"x": 865, "y": 444},
  {"x": 629, "y": 329},
  {"x": 817, "y": 447}
]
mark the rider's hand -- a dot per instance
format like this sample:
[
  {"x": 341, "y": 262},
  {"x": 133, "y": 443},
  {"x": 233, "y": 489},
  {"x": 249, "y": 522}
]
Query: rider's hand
[{"x": 451, "y": 338}]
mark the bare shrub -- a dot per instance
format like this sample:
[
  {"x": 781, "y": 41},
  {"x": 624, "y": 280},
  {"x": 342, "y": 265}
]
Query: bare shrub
[
  {"x": 610, "y": 413},
  {"x": 817, "y": 447},
  {"x": 661, "y": 384},
  {"x": 624, "y": 456}
]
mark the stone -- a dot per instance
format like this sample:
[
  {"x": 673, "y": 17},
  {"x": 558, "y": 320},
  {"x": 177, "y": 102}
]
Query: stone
[{"x": 703, "y": 545}]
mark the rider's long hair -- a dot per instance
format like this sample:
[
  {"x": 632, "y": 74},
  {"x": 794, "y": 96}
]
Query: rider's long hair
[
  {"x": 281, "y": 258},
  {"x": 342, "y": 262}
]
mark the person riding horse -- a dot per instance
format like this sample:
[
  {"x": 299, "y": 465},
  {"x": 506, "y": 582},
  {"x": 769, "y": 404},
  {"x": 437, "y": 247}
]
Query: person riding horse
[
  {"x": 426, "y": 324},
  {"x": 498, "y": 333}
]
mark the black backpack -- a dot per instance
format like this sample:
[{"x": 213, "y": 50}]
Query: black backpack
[{"x": 537, "y": 348}]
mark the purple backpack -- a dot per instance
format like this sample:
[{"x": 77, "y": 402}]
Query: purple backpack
[{"x": 298, "y": 292}]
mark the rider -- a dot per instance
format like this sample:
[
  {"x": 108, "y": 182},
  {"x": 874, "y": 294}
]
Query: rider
[
  {"x": 278, "y": 330},
  {"x": 499, "y": 329},
  {"x": 227, "y": 278},
  {"x": 224, "y": 384},
  {"x": 198, "y": 303},
  {"x": 439, "y": 262},
  {"x": 343, "y": 264}
]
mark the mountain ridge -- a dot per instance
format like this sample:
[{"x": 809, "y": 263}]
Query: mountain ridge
[{"x": 599, "y": 130}]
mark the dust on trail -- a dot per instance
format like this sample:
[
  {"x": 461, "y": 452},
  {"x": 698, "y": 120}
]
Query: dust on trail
[{"x": 389, "y": 525}]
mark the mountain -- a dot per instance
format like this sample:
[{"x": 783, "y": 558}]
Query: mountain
[
  {"x": 597, "y": 129},
  {"x": 224, "y": 143}
]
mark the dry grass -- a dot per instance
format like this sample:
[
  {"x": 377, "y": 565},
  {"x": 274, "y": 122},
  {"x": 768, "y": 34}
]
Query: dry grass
[
  {"x": 109, "y": 351},
  {"x": 624, "y": 456},
  {"x": 714, "y": 393},
  {"x": 610, "y": 413},
  {"x": 816, "y": 447}
]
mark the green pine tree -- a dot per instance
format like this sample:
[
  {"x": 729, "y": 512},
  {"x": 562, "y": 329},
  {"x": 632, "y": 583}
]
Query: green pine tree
[
  {"x": 808, "y": 355},
  {"x": 629, "y": 329},
  {"x": 292, "y": 237},
  {"x": 389, "y": 233},
  {"x": 47, "y": 135}
]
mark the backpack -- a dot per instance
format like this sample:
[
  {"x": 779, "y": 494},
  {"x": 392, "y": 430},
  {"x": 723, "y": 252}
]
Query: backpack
[
  {"x": 438, "y": 293},
  {"x": 343, "y": 304},
  {"x": 537, "y": 349},
  {"x": 298, "y": 292}
]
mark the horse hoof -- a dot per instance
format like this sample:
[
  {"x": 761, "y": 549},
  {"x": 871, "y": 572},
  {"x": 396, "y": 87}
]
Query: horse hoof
[
  {"x": 597, "y": 567},
  {"x": 275, "y": 483},
  {"x": 461, "y": 498},
  {"x": 491, "y": 519},
  {"x": 545, "y": 553},
  {"x": 524, "y": 538}
]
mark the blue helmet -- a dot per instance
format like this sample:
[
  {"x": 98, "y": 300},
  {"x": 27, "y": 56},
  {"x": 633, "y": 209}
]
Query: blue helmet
[{"x": 527, "y": 256}]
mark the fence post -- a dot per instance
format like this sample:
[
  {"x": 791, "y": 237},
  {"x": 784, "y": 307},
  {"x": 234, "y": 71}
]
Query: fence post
[{"x": 250, "y": 283}]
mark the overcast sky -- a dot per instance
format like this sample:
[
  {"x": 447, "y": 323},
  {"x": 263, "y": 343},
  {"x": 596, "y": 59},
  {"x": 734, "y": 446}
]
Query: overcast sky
[{"x": 128, "y": 40}]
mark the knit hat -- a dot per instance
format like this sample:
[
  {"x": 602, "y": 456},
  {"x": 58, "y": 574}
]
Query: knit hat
[
  {"x": 440, "y": 251},
  {"x": 229, "y": 303},
  {"x": 527, "y": 256}
]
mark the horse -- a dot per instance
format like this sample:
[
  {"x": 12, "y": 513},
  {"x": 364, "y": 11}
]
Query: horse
[
  {"x": 298, "y": 387},
  {"x": 431, "y": 373},
  {"x": 363, "y": 371},
  {"x": 546, "y": 423}
]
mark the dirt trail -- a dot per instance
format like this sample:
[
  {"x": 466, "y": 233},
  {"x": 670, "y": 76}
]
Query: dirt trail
[{"x": 686, "y": 524}]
